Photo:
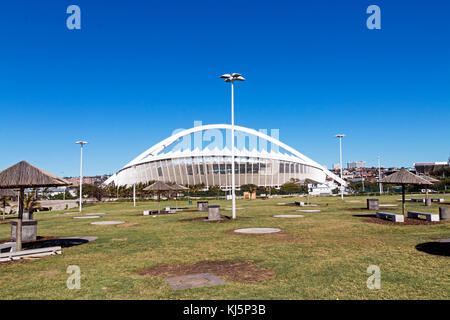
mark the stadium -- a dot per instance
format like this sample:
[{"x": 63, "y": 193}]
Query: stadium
[{"x": 202, "y": 155}]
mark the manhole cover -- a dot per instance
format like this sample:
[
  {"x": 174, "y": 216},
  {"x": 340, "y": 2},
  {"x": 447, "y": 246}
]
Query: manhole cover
[
  {"x": 194, "y": 281},
  {"x": 289, "y": 216},
  {"x": 308, "y": 210},
  {"x": 103, "y": 223},
  {"x": 388, "y": 205},
  {"x": 95, "y": 214},
  {"x": 86, "y": 238},
  {"x": 87, "y": 217},
  {"x": 257, "y": 230}
]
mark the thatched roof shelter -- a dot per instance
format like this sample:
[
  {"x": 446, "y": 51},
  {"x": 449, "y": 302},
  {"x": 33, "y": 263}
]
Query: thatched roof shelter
[
  {"x": 8, "y": 193},
  {"x": 177, "y": 187},
  {"x": 159, "y": 186},
  {"x": 24, "y": 175},
  {"x": 429, "y": 179},
  {"x": 404, "y": 177}
]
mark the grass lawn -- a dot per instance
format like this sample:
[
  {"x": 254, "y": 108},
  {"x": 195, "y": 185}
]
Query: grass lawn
[{"x": 321, "y": 256}]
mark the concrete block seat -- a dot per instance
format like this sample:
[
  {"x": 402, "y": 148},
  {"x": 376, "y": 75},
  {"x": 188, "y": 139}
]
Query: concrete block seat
[
  {"x": 8, "y": 247},
  {"x": 428, "y": 216},
  {"x": 152, "y": 212},
  {"x": 35, "y": 253},
  {"x": 437, "y": 200},
  {"x": 202, "y": 206},
  {"x": 372, "y": 204},
  {"x": 390, "y": 216}
]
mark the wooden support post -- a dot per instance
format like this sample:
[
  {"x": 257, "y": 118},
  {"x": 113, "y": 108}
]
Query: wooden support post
[
  {"x": 403, "y": 200},
  {"x": 159, "y": 202},
  {"x": 19, "y": 221}
]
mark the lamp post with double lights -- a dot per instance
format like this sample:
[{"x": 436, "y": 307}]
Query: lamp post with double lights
[{"x": 231, "y": 78}]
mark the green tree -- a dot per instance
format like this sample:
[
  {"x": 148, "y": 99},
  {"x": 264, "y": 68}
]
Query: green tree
[
  {"x": 249, "y": 188},
  {"x": 291, "y": 187},
  {"x": 30, "y": 203},
  {"x": 5, "y": 202},
  {"x": 93, "y": 191}
]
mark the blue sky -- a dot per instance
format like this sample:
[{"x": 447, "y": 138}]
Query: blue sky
[{"x": 137, "y": 70}]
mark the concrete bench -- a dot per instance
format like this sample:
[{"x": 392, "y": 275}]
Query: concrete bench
[
  {"x": 390, "y": 216},
  {"x": 437, "y": 200},
  {"x": 152, "y": 212},
  {"x": 35, "y": 253},
  {"x": 428, "y": 216},
  {"x": 418, "y": 200},
  {"x": 372, "y": 204},
  {"x": 9, "y": 246}
]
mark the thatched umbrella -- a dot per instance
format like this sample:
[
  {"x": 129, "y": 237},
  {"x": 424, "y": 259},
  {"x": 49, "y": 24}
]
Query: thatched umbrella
[
  {"x": 177, "y": 187},
  {"x": 159, "y": 186},
  {"x": 24, "y": 175},
  {"x": 429, "y": 179},
  {"x": 6, "y": 193},
  {"x": 404, "y": 177}
]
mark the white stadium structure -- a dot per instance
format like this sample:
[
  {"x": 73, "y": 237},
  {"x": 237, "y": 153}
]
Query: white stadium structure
[{"x": 259, "y": 159}]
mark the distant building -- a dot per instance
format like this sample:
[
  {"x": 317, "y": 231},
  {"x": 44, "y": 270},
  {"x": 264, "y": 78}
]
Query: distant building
[
  {"x": 75, "y": 181},
  {"x": 429, "y": 167},
  {"x": 322, "y": 189},
  {"x": 336, "y": 166},
  {"x": 356, "y": 164}
]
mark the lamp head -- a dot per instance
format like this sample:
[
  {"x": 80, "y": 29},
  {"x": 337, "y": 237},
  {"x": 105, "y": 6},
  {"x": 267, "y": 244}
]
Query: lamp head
[{"x": 231, "y": 77}]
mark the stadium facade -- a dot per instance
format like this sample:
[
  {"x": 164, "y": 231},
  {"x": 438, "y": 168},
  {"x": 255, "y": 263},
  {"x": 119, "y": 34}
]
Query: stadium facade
[{"x": 259, "y": 159}]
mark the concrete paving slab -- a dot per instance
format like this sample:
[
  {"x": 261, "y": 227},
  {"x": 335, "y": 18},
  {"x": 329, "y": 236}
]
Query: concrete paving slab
[
  {"x": 257, "y": 230},
  {"x": 104, "y": 223},
  {"x": 289, "y": 216},
  {"x": 87, "y": 217}
]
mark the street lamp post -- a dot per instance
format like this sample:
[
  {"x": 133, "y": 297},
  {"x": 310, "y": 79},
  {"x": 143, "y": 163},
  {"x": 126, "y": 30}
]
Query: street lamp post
[
  {"x": 231, "y": 78},
  {"x": 81, "y": 143},
  {"x": 379, "y": 175},
  {"x": 134, "y": 190},
  {"x": 340, "y": 136}
]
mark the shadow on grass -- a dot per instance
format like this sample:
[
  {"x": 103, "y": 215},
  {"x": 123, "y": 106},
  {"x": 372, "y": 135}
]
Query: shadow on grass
[
  {"x": 369, "y": 215},
  {"x": 436, "y": 248},
  {"x": 53, "y": 242}
]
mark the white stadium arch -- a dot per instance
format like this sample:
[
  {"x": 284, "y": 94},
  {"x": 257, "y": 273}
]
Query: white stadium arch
[{"x": 213, "y": 166}]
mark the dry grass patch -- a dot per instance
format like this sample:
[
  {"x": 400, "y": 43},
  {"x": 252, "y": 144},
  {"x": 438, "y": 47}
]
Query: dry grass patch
[{"x": 238, "y": 270}]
